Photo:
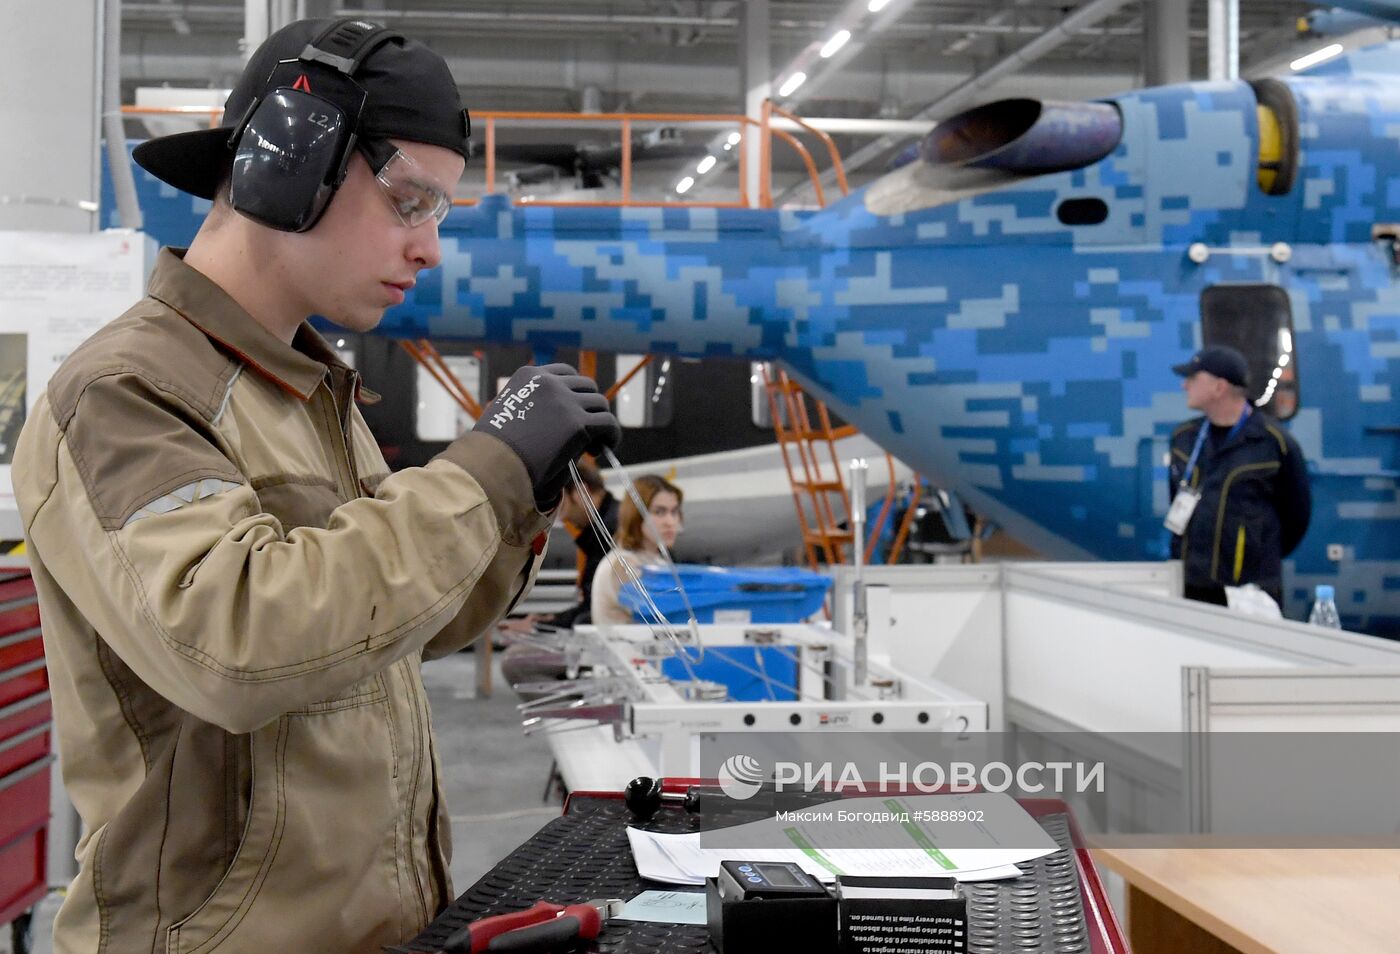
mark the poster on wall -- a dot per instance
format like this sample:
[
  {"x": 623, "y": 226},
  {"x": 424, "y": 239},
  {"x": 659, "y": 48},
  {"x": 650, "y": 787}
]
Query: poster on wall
[{"x": 56, "y": 289}]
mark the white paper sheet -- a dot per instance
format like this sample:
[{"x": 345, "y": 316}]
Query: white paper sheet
[{"x": 873, "y": 837}]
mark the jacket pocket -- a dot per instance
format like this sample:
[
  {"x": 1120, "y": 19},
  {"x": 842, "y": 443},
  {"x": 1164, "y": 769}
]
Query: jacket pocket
[
  {"x": 366, "y": 692},
  {"x": 220, "y": 913},
  {"x": 318, "y": 869}
]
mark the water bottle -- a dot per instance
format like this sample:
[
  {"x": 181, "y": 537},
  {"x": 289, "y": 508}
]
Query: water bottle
[{"x": 1324, "y": 611}]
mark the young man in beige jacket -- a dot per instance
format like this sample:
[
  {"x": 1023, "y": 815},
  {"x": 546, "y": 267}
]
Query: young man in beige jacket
[{"x": 236, "y": 594}]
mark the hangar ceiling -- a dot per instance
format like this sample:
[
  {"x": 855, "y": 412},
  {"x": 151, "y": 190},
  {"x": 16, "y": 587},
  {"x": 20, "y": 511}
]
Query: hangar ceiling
[{"x": 684, "y": 55}]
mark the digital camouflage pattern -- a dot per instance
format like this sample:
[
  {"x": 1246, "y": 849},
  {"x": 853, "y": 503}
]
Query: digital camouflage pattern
[{"x": 1017, "y": 360}]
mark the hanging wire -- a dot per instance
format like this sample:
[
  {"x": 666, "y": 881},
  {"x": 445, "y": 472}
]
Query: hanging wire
[
  {"x": 655, "y": 620},
  {"x": 666, "y": 560},
  {"x": 796, "y": 658},
  {"x": 652, "y": 616},
  {"x": 768, "y": 681},
  {"x": 661, "y": 628}
]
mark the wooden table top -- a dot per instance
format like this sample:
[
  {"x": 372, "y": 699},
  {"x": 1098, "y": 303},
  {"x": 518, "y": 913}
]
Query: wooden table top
[{"x": 1275, "y": 901}]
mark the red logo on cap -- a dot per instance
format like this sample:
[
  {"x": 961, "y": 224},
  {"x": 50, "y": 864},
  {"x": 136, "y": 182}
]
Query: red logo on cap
[{"x": 302, "y": 84}]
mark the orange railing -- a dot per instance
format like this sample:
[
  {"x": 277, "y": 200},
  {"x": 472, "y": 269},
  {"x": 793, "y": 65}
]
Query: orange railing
[
  {"x": 769, "y": 107},
  {"x": 626, "y": 122},
  {"x": 211, "y": 113}
]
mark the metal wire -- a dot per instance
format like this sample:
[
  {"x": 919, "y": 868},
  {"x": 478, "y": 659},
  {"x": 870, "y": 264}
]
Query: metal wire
[
  {"x": 658, "y": 624},
  {"x": 661, "y": 628},
  {"x": 767, "y": 683},
  {"x": 666, "y": 560}
]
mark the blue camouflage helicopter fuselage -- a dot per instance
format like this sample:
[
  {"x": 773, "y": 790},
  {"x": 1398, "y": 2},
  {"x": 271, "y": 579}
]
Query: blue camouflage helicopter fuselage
[{"x": 1019, "y": 360}]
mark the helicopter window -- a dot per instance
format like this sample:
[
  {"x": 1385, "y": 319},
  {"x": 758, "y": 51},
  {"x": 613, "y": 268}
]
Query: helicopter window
[
  {"x": 1256, "y": 320},
  {"x": 436, "y": 416},
  {"x": 1082, "y": 212},
  {"x": 649, "y": 398},
  {"x": 1277, "y": 164},
  {"x": 1387, "y": 235}
]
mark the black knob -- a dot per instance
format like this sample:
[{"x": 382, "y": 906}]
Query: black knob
[{"x": 642, "y": 796}]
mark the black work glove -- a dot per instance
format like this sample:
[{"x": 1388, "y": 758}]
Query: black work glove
[{"x": 549, "y": 416}]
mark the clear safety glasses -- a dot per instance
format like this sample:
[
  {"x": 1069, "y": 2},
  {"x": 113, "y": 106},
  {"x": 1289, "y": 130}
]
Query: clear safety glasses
[{"x": 414, "y": 198}]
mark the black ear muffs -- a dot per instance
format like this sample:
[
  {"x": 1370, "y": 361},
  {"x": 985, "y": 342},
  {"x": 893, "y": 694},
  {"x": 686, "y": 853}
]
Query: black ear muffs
[
  {"x": 290, "y": 159},
  {"x": 293, "y": 147}
]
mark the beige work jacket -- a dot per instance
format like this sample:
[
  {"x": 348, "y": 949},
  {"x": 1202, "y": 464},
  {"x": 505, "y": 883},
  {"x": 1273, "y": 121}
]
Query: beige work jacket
[{"x": 237, "y": 597}]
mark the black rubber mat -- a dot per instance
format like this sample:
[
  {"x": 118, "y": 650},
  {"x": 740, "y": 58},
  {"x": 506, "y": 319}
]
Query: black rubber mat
[{"x": 585, "y": 855}]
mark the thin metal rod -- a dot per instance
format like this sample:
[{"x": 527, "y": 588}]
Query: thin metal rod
[{"x": 859, "y": 618}]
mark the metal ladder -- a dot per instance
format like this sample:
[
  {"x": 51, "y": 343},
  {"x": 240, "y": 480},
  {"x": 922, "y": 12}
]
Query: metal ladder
[{"x": 819, "y": 491}]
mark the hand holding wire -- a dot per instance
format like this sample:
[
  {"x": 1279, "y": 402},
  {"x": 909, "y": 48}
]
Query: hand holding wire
[{"x": 549, "y": 416}]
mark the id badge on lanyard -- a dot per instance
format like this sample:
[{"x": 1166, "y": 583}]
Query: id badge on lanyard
[{"x": 1183, "y": 506}]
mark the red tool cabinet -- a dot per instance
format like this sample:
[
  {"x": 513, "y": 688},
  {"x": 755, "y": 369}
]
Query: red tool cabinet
[{"x": 26, "y": 724}]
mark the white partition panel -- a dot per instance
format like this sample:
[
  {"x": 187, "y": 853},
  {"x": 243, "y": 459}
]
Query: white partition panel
[
  {"x": 1149, "y": 579},
  {"x": 1111, "y": 661}
]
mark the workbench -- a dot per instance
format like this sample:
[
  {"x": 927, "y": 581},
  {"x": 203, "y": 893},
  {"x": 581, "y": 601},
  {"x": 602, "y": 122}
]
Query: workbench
[{"x": 1058, "y": 905}]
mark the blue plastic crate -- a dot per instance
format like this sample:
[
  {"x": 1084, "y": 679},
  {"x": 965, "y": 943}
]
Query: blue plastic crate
[
  {"x": 770, "y": 594},
  {"x": 746, "y": 684}
]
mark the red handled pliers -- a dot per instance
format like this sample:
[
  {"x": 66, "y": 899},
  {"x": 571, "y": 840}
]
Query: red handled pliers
[{"x": 540, "y": 929}]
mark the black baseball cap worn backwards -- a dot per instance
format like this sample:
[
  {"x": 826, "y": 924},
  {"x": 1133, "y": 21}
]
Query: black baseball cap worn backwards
[
  {"x": 398, "y": 89},
  {"x": 1220, "y": 360}
]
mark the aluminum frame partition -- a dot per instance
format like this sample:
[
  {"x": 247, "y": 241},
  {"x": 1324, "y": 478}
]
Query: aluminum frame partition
[{"x": 1354, "y": 704}]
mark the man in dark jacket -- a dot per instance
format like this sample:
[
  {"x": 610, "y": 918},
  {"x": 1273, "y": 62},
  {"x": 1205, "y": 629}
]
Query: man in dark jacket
[{"x": 1238, "y": 481}]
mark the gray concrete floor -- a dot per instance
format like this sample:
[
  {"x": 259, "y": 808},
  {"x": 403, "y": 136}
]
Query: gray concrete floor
[
  {"x": 495, "y": 778},
  {"x": 495, "y": 775}
]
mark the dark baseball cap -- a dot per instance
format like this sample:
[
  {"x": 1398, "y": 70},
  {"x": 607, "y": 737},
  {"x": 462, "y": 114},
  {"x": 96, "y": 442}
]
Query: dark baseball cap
[
  {"x": 1220, "y": 360},
  {"x": 410, "y": 94}
]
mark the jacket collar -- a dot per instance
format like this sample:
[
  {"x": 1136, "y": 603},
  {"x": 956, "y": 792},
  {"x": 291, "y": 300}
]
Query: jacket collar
[
  {"x": 1254, "y": 428},
  {"x": 298, "y": 368}
]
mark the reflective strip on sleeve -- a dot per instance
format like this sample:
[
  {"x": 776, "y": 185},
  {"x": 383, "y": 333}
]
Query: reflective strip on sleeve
[{"x": 181, "y": 497}]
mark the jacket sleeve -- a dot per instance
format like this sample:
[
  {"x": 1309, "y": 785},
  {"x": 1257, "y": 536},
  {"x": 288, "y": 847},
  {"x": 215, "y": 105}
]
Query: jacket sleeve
[
  {"x": 1176, "y": 464},
  {"x": 480, "y": 614},
  {"x": 1294, "y": 496},
  {"x": 152, "y": 532}
]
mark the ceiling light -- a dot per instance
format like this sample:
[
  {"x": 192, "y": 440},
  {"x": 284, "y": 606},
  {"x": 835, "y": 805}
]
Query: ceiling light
[
  {"x": 1316, "y": 57},
  {"x": 835, "y": 43},
  {"x": 733, "y": 139},
  {"x": 684, "y": 185},
  {"x": 706, "y": 165},
  {"x": 877, "y": 5},
  {"x": 791, "y": 83}
]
